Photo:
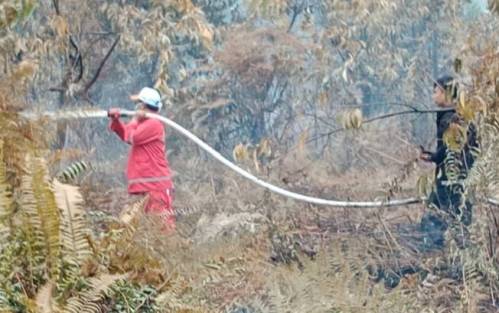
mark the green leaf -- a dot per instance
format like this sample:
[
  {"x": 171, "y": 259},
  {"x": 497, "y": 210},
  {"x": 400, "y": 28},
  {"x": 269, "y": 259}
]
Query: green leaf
[{"x": 27, "y": 9}]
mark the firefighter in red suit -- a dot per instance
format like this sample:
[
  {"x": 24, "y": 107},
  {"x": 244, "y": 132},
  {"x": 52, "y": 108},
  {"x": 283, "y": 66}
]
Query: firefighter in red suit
[{"x": 148, "y": 171}]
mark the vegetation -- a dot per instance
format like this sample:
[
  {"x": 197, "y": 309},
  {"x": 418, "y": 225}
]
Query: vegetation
[{"x": 327, "y": 98}]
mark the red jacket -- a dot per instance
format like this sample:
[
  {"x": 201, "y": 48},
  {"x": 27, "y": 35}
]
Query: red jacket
[{"x": 147, "y": 167}]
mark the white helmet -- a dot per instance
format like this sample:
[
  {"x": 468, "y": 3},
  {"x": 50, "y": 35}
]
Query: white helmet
[{"x": 149, "y": 96}]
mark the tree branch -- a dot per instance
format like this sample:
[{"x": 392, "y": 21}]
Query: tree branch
[
  {"x": 296, "y": 12},
  {"x": 56, "y": 7},
  {"x": 414, "y": 110},
  {"x": 57, "y": 89},
  {"x": 377, "y": 118},
  {"x": 103, "y": 62},
  {"x": 98, "y": 33},
  {"x": 76, "y": 60}
]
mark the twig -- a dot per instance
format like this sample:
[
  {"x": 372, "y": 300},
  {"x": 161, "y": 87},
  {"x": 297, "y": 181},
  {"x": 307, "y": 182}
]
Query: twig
[
  {"x": 167, "y": 279},
  {"x": 490, "y": 242},
  {"x": 86, "y": 97},
  {"x": 103, "y": 62},
  {"x": 384, "y": 155},
  {"x": 77, "y": 60},
  {"x": 22, "y": 285},
  {"x": 98, "y": 33},
  {"x": 376, "y": 118},
  {"x": 56, "y": 7},
  {"x": 296, "y": 12},
  {"x": 414, "y": 110},
  {"x": 57, "y": 89},
  {"x": 403, "y": 140}
]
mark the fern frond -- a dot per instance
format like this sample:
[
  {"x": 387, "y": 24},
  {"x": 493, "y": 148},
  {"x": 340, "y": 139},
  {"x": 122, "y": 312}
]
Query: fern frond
[
  {"x": 73, "y": 171},
  {"x": 88, "y": 301},
  {"x": 43, "y": 219},
  {"x": 4, "y": 301},
  {"x": 74, "y": 231},
  {"x": 49, "y": 214},
  {"x": 171, "y": 301},
  {"x": 130, "y": 213},
  {"x": 6, "y": 202},
  {"x": 31, "y": 227},
  {"x": 5, "y": 194},
  {"x": 16, "y": 135}
]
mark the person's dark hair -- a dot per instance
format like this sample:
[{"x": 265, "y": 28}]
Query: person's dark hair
[
  {"x": 448, "y": 84},
  {"x": 150, "y": 107}
]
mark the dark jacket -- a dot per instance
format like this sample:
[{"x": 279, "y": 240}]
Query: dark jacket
[
  {"x": 449, "y": 196},
  {"x": 465, "y": 157}
]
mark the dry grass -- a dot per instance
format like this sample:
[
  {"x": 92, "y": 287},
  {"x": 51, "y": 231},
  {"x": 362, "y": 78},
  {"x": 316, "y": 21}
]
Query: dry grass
[{"x": 230, "y": 272}]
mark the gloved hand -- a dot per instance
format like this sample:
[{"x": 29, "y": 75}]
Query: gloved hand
[
  {"x": 114, "y": 113},
  {"x": 424, "y": 154}
]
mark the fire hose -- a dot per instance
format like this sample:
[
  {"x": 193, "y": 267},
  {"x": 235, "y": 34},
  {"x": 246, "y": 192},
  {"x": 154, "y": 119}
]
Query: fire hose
[{"x": 238, "y": 170}]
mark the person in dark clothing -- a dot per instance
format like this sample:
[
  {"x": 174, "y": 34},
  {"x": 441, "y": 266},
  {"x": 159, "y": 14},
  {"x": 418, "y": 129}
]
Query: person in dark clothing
[
  {"x": 449, "y": 208},
  {"x": 448, "y": 202}
]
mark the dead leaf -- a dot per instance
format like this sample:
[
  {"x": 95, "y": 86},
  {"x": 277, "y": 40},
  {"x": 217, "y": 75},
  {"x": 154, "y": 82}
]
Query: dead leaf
[{"x": 60, "y": 26}]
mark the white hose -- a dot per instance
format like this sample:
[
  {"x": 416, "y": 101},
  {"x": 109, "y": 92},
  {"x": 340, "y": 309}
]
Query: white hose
[
  {"x": 240, "y": 171},
  {"x": 267, "y": 185}
]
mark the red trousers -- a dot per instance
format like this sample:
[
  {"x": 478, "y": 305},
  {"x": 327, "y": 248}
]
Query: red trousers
[{"x": 160, "y": 203}]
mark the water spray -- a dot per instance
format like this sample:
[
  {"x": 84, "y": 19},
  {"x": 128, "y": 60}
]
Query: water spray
[{"x": 232, "y": 166}]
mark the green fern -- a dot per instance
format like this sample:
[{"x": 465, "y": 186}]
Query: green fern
[
  {"x": 89, "y": 301},
  {"x": 4, "y": 301},
  {"x": 132, "y": 297},
  {"x": 48, "y": 213},
  {"x": 74, "y": 236},
  {"x": 6, "y": 203},
  {"x": 74, "y": 170},
  {"x": 31, "y": 233},
  {"x": 73, "y": 227}
]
